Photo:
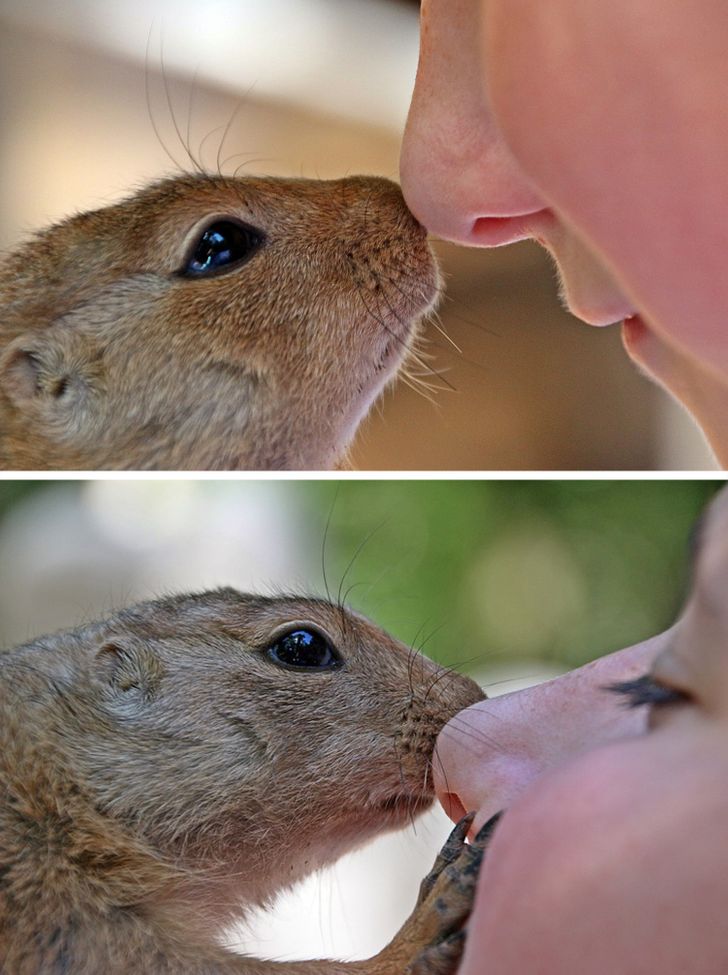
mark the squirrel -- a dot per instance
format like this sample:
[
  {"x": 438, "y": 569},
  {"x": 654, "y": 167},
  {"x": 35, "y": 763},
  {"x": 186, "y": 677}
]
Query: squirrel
[
  {"x": 166, "y": 768},
  {"x": 210, "y": 323}
]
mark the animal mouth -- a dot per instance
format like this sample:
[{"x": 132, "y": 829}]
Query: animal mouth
[
  {"x": 405, "y": 804},
  {"x": 394, "y": 351}
]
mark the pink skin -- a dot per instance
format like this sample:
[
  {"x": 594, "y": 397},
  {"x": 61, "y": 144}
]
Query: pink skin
[
  {"x": 599, "y": 130},
  {"x": 507, "y": 729},
  {"x": 612, "y": 855}
]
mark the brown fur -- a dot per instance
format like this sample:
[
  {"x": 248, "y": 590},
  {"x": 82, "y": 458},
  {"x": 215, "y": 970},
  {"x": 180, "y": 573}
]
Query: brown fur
[
  {"x": 109, "y": 359},
  {"x": 159, "y": 774}
]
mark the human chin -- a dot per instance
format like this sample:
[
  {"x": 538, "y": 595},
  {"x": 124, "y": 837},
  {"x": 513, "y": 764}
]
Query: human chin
[{"x": 587, "y": 288}]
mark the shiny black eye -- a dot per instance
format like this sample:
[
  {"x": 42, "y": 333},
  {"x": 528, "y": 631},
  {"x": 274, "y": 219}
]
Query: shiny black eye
[
  {"x": 222, "y": 246},
  {"x": 304, "y": 649}
]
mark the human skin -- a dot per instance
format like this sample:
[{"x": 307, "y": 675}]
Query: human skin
[
  {"x": 599, "y": 130},
  {"x": 612, "y": 854}
]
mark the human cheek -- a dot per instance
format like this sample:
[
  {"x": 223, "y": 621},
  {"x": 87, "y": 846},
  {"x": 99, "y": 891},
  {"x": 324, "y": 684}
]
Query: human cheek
[
  {"x": 611, "y": 110},
  {"x": 588, "y": 288},
  {"x": 459, "y": 176},
  {"x": 596, "y": 858},
  {"x": 697, "y": 662},
  {"x": 537, "y": 93},
  {"x": 531, "y": 100}
]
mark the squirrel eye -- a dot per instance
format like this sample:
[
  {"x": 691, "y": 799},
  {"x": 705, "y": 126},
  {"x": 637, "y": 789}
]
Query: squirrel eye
[
  {"x": 222, "y": 246},
  {"x": 304, "y": 649}
]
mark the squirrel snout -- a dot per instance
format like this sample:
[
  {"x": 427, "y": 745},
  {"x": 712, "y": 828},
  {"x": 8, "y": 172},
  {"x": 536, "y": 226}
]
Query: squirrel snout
[{"x": 375, "y": 205}]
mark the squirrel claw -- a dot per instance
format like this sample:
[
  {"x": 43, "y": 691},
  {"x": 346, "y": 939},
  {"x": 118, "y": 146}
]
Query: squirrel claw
[
  {"x": 432, "y": 940},
  {"x": 450, "y": 851}
]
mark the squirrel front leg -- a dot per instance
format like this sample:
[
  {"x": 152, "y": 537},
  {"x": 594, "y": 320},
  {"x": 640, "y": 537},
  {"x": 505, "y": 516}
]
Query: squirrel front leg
[{"x": 431, "y": 940}]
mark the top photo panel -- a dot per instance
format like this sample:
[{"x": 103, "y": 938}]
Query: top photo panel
[{"x": 461, "y": 235}]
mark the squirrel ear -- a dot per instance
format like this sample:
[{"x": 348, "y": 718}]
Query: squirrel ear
[
  {"x": 129, "y": 668},
  {"x": 20, "y": 370},
  {"x": 55, "y": 370}
]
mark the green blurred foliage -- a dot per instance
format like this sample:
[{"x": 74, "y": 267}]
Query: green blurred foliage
[
  {"x": 495, "y": 572},
  {"x": 13, "y": 491},
  {"x": 488, "y": 571}
]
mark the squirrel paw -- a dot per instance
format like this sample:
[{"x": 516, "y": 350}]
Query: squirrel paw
[{"x": 432, "y": 939}]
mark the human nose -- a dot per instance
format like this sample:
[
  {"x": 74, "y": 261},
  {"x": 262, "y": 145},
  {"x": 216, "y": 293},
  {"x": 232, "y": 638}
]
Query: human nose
[
  {"x": 457, "y": 173},
  {"x": 488, "y": 754}
]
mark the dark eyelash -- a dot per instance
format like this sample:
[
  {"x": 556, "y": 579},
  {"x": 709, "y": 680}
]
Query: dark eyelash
[{"x": 646, "y": 691}]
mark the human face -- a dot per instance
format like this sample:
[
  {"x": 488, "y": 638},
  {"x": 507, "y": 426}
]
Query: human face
[
  {"x": 612, "y": 855},
  {"x": 599, "y": 130}
]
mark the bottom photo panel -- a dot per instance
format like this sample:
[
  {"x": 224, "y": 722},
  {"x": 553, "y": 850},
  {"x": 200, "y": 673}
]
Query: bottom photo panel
[{"x": 239, "y": 721}]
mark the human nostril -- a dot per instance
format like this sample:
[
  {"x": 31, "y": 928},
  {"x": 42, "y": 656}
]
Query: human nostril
[
  {"x": 445, "y": 769},
  {"x": 495, "y": 231},
  {"x": 452, "y": 805}
]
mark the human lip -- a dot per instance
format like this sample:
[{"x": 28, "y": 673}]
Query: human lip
[
  {"x": 588, "y": 290},
  {"x": 633, "y": 330},
  {"x": 634, "y": 323},
  {"x": 452, "y": 805},
  {"x": 599, "y": 317},
  {"x": 498, "y": 231}
]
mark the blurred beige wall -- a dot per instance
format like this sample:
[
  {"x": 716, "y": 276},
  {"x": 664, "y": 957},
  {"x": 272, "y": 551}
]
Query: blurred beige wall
[{"x": 531, "y": 388}]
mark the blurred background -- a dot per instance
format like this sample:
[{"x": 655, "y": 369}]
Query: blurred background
[
  {"x": 510, "y": 581},
  {"x": 321, "y": 89}
]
